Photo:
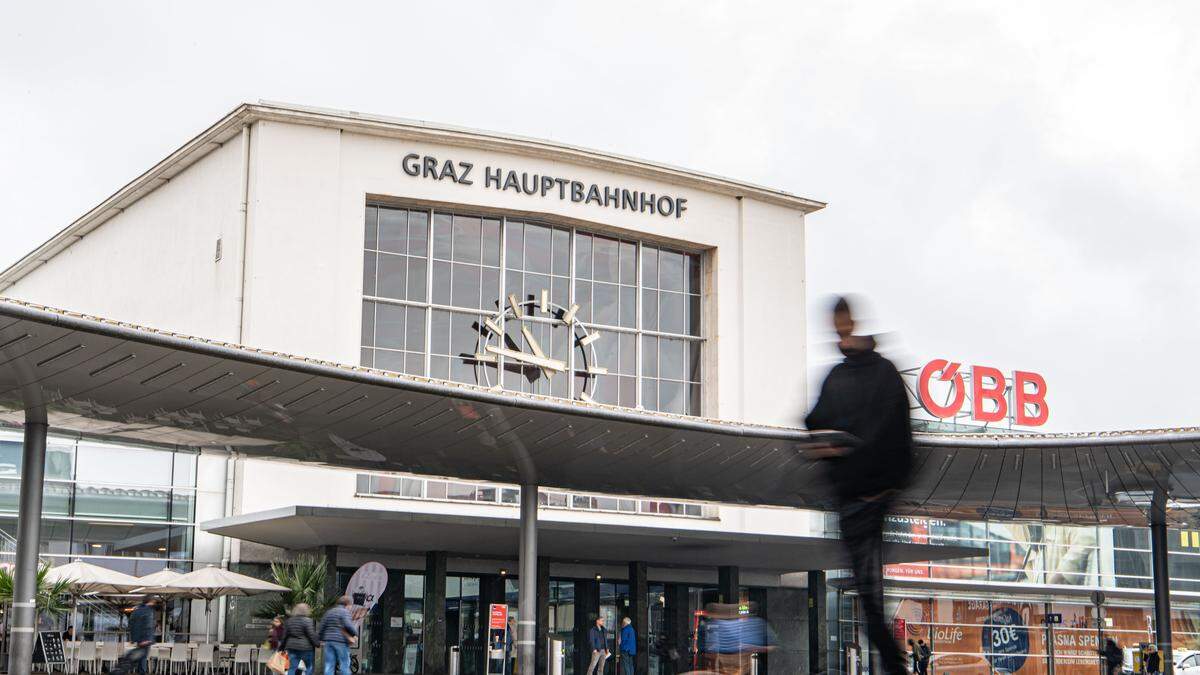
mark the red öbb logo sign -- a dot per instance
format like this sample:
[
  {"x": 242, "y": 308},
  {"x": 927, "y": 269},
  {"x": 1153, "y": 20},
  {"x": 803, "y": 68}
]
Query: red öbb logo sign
[{"x": 991, "y": 394}]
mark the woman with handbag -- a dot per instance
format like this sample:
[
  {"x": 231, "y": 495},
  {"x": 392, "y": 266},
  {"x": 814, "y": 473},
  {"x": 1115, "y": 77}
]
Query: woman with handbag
[
  {"x": 275, "y": 635},
  {"x": 299, "y": 639}
]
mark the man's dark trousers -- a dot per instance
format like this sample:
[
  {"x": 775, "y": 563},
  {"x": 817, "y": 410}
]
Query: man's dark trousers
[
  {"x": 136, "y": 659},
  {"x": 862, "y": 532}
]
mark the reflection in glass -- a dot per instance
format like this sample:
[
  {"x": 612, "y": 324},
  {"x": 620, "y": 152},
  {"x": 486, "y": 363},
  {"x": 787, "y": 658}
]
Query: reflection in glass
[
  {"x": 122, "y": 465},
  {"x": 105, "y": 501}
]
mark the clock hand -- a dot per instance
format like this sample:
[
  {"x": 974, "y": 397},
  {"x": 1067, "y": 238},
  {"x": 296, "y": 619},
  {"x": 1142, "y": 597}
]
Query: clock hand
[
  {"x": 537, "y": 349},
  {"x": 531, "y": 359}
]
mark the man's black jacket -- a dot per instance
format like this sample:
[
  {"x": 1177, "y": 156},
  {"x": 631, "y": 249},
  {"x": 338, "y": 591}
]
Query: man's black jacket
[
  {"x": 864, "y": 397},
  {"x": 141, "y": 624}
]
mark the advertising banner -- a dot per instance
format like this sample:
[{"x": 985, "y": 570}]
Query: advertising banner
[
  {"x": 364, "y": 589},
  {"x": 497, "y": 661}
]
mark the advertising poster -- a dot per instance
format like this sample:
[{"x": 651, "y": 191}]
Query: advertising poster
[
  {"x": 1017, "y": 552},
  {"x": 913, "y": 531},
  {"x": 364, "y": 589},
  {"x": 1076, "y": 640},
  {"x": 971, "y": 636},
  {"x": 497, "y": 639}
]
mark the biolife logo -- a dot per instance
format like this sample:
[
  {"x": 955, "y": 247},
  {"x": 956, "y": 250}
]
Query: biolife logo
[{"x": 948, "y": 390}]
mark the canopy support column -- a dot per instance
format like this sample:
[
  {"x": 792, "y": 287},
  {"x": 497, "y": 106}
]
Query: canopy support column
[
  {"x": 818, "y": 627},
  {"x": 29, "y": 533},
  {"x": 729, "y": 588},
  {"x": 433, "y": 636},
  {"x": 1162, "y": 578},
  {"x": 639, "y": 614},
  {"x": 527, "y": 589}
]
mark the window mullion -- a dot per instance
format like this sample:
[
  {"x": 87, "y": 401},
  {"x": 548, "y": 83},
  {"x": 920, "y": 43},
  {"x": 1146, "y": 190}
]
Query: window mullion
[
  {"x": 570, "y": 301},
  {"x": 637, "y": 335},
  {"x": 500, "y": 300},
  {"x": 429, "y": 239}
]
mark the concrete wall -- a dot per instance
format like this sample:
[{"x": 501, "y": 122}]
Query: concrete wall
[
  {"x": 787, "y": 614},
  {"x": 153, "y": 263}
]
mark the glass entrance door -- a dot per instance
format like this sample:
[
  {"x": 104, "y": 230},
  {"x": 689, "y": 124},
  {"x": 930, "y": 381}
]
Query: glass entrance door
[
  {"x": 562, "y": 620},
  {"x": 462, "y": 623},
  {"x": 614, "y": 606}
]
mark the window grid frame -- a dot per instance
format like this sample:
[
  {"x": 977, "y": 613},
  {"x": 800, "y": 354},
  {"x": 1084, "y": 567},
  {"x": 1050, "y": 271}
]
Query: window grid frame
[{"x": 638, "y": 329}]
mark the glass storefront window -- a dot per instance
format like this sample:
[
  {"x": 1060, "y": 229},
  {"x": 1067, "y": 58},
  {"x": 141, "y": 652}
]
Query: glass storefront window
[
  {"x": 113, "y": 502},
  {"x": 116, "y": 465},
  {"x": 184, "y": 470},
  {"x": 121, "y": 539},
  {"x": 56, "y": 497},
  {"x": 60, "y": 459},
  {"x": 447, "y": 290},
  {"x": 107, "y": 501},
  {"x": 996, "y": 635}
]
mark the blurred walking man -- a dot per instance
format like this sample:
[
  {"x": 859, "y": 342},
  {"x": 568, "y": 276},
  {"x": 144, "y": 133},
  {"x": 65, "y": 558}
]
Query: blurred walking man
[
  {"x": 141, "y": 633},
  {"x": 864, "y": 397}
]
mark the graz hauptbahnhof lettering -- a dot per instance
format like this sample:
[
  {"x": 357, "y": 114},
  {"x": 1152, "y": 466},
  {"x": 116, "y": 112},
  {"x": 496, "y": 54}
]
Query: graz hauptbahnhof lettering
[{"x": 533, "y": 184}]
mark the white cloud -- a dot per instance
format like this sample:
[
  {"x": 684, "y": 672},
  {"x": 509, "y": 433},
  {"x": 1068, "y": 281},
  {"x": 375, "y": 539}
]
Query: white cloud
[{"x": 1011, "y": 184}]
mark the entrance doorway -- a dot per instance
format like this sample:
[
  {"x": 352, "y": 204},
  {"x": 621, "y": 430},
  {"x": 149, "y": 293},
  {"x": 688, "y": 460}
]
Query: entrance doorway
[
  {"x": 462, "y": 623},
  {"x": 562, "y": 620}
]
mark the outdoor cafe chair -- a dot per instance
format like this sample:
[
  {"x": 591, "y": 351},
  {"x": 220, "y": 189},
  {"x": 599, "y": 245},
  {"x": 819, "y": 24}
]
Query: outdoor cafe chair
[
  {"x": 264, "y": 655},
  {"x": 159, "y": 656},
  {"x": 69, "y": 650},
  {"x": 87, "y": 656},
  {"x": 110, "y": 651},
  {"x": 241, "y": 660},
  {"x": 179, "y": 658},
  {"x": 206, "y": 658}
]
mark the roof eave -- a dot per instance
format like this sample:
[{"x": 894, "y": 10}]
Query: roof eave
[
  {"x": 160, "y": 174},
  {"x": 247, "y": 113}
]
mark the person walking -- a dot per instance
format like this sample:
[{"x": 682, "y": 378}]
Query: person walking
[
  {"x": 914, "y": 656},
  {"x": 864, "y": 397},
  {"x": 337, "y": 633},
  {"x": 923, "y": 654},
  {"x": 628, "y": 646},
  {"x": 1112, "y": 657},
  {"x": 598, "y": 641},
  {"x": 510, "y": 636},
  {"x": 1152, "y": 660},
  {"x": 275, "y": 634},
  {"x": 299, "y": 639},
  {"x": 141, "y": 634}
]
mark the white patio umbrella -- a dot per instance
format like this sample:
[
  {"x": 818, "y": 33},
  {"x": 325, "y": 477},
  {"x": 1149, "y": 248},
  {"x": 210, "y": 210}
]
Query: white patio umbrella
[
  {"x": 153, "y": 583},
  {"x": 87, "y": 579},
  {"x": 213, "y": 582}
]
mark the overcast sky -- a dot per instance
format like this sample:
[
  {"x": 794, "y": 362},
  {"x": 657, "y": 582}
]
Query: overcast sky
[{"x": 1010, "y": 184}]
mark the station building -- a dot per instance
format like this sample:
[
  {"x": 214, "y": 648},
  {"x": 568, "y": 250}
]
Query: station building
[{"x": 533, "y": 269}]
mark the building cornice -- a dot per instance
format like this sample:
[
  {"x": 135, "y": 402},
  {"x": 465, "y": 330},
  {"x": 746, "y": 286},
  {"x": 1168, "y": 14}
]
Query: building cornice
[{"x": 246, "y": 114}]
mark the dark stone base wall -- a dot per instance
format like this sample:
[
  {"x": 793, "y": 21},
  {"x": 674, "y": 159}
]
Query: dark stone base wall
[{"x": 787, "y": 614}]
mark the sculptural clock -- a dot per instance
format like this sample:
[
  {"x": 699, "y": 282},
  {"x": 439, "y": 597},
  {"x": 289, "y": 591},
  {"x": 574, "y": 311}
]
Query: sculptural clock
[{"x": 530, "y": 352}]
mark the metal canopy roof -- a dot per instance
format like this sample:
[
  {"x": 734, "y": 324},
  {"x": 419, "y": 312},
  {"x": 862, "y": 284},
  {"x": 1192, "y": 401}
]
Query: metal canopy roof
[
  {"x": 117, "y": 381},
  {"x": 113, "y": 380},
  {"x": 303, "y": 527}
]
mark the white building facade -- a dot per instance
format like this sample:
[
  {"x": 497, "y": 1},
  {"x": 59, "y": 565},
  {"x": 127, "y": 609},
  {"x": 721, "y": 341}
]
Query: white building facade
[{"x": 478, "y": 258}]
